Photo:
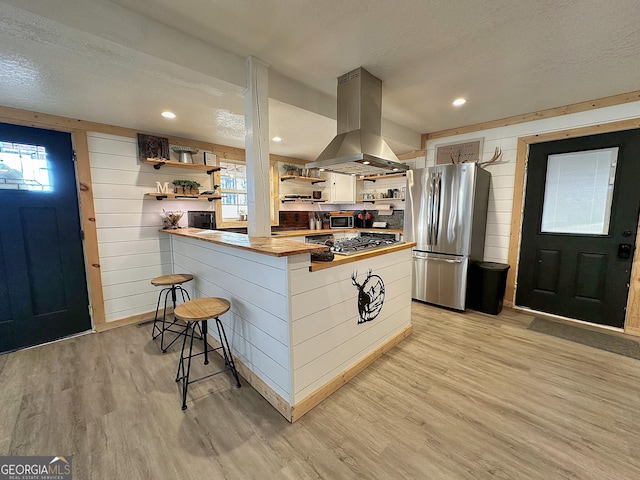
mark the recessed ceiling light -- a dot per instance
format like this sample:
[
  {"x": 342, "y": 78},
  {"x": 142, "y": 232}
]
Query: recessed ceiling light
[
  {"x": 366, "y": 162},
  {"x": 276, "y": 139},
  {"x": 459, "y": 101},
  {"x": 395, "y": 169},
  {"x": 168, "y": 114},
  {"x": 321, "y": 169}
]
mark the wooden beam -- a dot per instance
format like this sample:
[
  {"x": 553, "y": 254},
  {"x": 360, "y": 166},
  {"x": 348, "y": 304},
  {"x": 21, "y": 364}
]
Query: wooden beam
[
  {"x": 88, "y": 220},
  {"x": 632, "y": 318},
  {"x": 410, "y": 155},
  {"x": 542, "y": 114},
  {"x": 516, "y": 220}
]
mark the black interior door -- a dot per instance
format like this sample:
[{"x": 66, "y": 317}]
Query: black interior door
[
  {"x": 579, "y": 274},
  {"x": 43, "y": 288}
]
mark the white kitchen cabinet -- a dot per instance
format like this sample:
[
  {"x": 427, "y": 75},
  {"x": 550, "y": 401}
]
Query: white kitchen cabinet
[{"x": 341, "y": 188}]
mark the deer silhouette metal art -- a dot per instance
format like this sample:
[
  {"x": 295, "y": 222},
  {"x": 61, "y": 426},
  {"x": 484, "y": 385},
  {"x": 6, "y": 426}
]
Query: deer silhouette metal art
[{"x": 370, "y": 296}]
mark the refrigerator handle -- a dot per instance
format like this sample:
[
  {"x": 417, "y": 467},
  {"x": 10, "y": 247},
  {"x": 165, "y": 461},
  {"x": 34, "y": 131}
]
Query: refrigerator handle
[
  {"x": 436, "y": 207},
  {"x": 429, "y": 208},
  {"x": 447, "y": 260}
]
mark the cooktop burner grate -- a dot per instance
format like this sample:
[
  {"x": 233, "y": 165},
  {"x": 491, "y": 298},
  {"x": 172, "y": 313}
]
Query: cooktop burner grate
[{"x": 360, "y": 244}]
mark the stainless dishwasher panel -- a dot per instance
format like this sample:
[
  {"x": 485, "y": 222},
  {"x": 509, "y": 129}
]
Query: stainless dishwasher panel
[{"x": 440, "y": 279}]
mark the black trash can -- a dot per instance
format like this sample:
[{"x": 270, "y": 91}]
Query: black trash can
[{"x": 486, "y": 285}]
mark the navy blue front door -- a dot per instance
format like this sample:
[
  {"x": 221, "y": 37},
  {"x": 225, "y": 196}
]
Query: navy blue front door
[{"x": 43, "y": 287}]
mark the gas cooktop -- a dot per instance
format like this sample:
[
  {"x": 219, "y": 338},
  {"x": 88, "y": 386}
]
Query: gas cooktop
[{"x": 361, "y": 244}]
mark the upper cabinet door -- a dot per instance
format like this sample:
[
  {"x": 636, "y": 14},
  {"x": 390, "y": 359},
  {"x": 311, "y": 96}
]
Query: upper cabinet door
[{"x": 342, "y": 188}]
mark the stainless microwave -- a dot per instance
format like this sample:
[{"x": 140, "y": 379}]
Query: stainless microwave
[{"x": 341, "y": 221}]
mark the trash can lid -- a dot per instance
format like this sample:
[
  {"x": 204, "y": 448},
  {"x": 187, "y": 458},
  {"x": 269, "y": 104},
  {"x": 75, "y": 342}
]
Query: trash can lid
[{"x": 493, "y": 266}]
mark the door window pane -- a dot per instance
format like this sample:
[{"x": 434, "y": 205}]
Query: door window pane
[
  {"x": 24, "y": 167},
  {"x": 578, "y": 192}
]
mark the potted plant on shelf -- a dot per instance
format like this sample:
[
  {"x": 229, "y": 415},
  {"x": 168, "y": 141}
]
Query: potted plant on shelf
[
  {"x": 290, "y": 169},
  {"x": 186, "y": 187}
]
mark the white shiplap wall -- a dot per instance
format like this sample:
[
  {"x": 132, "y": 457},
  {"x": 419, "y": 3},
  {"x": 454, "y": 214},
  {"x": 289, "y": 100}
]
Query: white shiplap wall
[
  {"x": 293, "y": 328},
  {"x": 503, "y": 172},
  {"x": 131, "y": 248},
  {"x": 326, "y": 336},
  {"x": 257, "y": 325}
]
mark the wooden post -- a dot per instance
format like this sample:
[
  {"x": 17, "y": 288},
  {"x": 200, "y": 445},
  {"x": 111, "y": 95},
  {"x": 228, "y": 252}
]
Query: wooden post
[{"x": 256, "y": 119}]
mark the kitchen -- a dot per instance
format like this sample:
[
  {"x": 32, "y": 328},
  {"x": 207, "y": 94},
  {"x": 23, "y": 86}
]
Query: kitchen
[{"x": 130, "y": 250}]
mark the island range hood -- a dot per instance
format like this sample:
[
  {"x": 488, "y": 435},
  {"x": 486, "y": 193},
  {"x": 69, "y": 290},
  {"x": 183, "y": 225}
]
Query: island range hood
[{"x": 358, "y": 148}]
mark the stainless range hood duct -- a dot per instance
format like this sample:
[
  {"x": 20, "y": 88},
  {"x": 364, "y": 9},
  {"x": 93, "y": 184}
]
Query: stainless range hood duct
[{"x": 358, "y": 148}]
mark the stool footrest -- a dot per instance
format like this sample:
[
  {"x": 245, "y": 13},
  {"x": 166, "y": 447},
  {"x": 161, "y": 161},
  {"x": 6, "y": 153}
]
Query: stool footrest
[
  {"x": 184, "y": 363},
  {"x": 207, "y": 376}
]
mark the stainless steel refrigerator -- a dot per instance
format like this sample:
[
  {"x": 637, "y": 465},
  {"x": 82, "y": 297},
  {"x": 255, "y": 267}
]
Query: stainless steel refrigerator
[{"x": 446, "y": 215}]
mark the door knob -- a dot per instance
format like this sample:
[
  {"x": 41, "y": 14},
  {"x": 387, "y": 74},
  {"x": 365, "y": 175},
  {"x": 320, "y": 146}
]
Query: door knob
[{"x": 624, "y": 250}]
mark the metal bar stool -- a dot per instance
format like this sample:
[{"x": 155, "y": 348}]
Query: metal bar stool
[
  {"x": 173, "y": 285},
  {"x": 193, "y": 312}
]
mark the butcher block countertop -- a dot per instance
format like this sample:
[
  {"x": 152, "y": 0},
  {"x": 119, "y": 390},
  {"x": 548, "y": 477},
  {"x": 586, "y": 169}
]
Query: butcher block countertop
[
  {"x": 277, "y": 247},
  {"x": 308, "y": 233},
  {"x": 342, "y": 259}
]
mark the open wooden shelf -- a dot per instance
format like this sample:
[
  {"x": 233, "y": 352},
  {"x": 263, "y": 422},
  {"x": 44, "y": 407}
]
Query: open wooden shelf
[
  {"x": 301, "y": 200},
  {"x": 162, "y": 196},
  {"x": 311, "y": 180},
  {"x": 374, "y": 200},
  {"x": 161, "y": 162},
  {"x": 373, "y": 178}
]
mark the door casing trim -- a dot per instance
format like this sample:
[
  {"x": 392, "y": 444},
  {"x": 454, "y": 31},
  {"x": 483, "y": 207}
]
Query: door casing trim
[{"x": 632, "y": 317}]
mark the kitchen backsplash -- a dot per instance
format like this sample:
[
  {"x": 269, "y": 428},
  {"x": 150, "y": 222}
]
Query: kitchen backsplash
[
  {"x": 395, "y": 220},
  {"x": 300, "y": 219},
  {"x": 297, "y": 219}
]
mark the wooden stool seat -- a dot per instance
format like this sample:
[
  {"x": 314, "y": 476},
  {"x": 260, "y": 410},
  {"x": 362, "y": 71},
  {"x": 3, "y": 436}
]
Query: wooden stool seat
[
  {"x": 193, "y": 312},
  {"x": 201, "y": 309},
  {"x": 173, "y": 279}
]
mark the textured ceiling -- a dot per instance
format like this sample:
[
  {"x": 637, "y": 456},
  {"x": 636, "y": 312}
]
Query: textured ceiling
[{"x": 506, "y": 57}]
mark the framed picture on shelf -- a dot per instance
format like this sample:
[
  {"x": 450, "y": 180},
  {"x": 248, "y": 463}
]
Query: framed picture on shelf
[
  {"x": 210, "y": 159},
  {"x": 459, "y": 152},
  {"x": 150, "y": 146}
]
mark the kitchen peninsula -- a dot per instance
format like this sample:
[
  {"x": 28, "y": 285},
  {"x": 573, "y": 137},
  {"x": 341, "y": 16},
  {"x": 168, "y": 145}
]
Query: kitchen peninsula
[{"x": 299, "y": 329}]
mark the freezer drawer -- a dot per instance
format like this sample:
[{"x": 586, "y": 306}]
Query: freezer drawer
[{"x": 440, "y": 279}]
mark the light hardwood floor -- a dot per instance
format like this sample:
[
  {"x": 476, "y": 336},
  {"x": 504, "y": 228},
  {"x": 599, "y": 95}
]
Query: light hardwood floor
[{"x": 467, "y": 396}]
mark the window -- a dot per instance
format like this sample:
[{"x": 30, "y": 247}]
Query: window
[
  {"x": 578, "y": 192},
  {"x": 233, "y": 185},
  {"x": 24, "y": 167},
  {"x": 232, "y": 179}
]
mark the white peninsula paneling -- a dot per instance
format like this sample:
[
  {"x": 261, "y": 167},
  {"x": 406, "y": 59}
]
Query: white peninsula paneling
[
  {"x": 131, "y": 248},
  {"x": 326, "y": 336},
  {"x": 257, "y": 325}
]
